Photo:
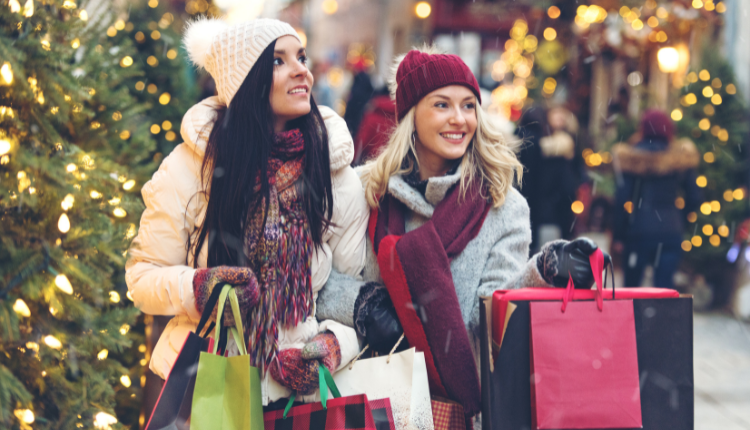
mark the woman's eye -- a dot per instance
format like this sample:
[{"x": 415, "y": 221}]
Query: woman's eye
[
  {"x": 303, "y": 59},
  {"x": 470, "y": 106},
  {"x": 441, "y": 104},
  {"x": 277, "y": 62}
]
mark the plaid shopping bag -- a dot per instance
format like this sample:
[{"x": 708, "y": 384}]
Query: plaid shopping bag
[
  {"x": 339, "y": 413},
  {"x": 382, "y": 414},
  {"x": 447, "y": 415}
]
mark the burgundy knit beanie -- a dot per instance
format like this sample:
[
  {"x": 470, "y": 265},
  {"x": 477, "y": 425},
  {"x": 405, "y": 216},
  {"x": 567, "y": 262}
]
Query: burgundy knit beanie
[
  {"x": 657, "y": 124},
  {"x": 419, "y": 74}
]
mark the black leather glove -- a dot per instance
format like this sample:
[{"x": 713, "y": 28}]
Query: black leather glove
[
  {"x": 375, "y": 318},
  {"x": 561, "y": 260}
]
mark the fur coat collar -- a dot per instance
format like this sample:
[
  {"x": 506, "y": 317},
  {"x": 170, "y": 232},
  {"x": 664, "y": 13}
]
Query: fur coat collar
[{"x": 680, "y": 155}]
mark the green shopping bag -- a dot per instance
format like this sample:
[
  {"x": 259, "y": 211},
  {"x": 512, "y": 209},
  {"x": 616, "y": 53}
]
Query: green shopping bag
[{"x": 227, "y": 392}]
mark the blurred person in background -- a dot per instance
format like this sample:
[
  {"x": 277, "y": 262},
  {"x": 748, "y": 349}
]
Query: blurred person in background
[
  {"x": 360, "y": 93},
  {"x": 375, "y": 128},
  {"x": 322, "y": 89},
  {"x": 553, "y": 173},
  {"x": 532, "y": 127},
  {"x": 651, "y": 176}
]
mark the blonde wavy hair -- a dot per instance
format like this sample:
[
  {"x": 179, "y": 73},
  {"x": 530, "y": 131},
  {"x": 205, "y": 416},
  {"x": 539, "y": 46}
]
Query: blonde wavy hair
[{"x": 489, "y": 159}]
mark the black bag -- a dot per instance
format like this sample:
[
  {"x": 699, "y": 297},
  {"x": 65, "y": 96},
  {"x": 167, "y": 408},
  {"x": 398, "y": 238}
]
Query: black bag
[
  {"x": 664, "y": 336},
  {"x": 172, "y": 409}
]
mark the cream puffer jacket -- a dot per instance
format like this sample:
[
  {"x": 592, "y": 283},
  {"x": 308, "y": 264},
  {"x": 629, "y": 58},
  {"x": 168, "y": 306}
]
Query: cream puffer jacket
[{"x": 159, "y": 270}]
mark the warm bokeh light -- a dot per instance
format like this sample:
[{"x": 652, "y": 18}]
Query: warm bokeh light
[
  {"x": 577, "y": 207},
  {"x": 423, "y": 9},
  {"x": 708, "y": 230},
  {"x": 676, "y": 115},
  {"x": 550, "y": 33},
  {"x": 330, "y": 6},
  {"x": 669, "y": 59},
  {"x": 701, "y": 181},
  {"x": 696, "y": 241},
  {"x": 553, "y": 12}
]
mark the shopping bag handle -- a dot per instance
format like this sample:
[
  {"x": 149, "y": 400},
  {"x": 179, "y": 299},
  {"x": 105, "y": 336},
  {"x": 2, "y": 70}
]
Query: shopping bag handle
[
  {"x": 237, "y": 331},
  {"x": 207, "y": 311},
  {"x": 326, "y": 382},
  {"x": 596, "y": 259}
]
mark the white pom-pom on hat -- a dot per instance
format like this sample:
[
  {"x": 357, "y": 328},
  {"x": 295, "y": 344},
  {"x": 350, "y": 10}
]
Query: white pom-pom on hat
[{"x": 199, "y": 35}]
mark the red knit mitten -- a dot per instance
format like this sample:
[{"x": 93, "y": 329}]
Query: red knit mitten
[
  {"x": 324, "y": 347},
  {"x": 295, "y": 372},
  {"x": 241, "y": 278}
]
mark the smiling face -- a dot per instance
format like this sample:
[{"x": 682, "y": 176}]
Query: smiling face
[
  {"x": 446, "y": 120},
  {"x": 292, "y": 82}
]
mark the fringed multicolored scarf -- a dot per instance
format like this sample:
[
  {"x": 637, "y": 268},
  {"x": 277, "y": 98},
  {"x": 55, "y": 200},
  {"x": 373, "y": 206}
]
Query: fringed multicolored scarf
[
  {"x": 279, "y": 251},
  {"x": 415, "y": 268}
]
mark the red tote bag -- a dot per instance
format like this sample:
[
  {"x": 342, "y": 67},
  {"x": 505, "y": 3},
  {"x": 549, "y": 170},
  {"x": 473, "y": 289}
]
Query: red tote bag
[{"x": 584, "y": 362}]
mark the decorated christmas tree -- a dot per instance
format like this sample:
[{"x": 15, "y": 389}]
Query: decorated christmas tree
[
  {"x": 74, "y": 151},
  {"x": 711, "y": 113},
  {"x": 166, "y": 85}
]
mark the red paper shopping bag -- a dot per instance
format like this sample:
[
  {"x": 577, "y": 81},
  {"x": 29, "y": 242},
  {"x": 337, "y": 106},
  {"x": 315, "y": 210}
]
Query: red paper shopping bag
[{"x": 584, "y": 364}]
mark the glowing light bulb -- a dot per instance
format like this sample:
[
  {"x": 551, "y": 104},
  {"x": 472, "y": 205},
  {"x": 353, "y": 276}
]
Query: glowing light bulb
[
  {"x": 52, "y": 342},
  {"x": 4, "y": 146},
  {"x": 125, "y": 381},
  {"x": 24, "y": 415},
  {"x": 114, "y": 297},
  {"x": 21, "y": 308},
  {"x": 63, "y": 224},
  {"x": 128, "y": 185},
  {"x": 6, "y": 73},
  {"x": 63, "y": 284},
  {"x": 102, "y": 355},
  {"x": 103, "y": 420}
]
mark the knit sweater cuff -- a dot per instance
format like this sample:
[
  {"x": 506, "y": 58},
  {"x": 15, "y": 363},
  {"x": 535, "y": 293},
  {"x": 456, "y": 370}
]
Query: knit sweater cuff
[{"x": 370, "y": 295}]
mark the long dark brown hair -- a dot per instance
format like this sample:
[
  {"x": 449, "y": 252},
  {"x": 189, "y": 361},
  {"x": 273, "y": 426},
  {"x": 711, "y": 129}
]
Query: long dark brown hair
[{"x": 236, "y": 158}]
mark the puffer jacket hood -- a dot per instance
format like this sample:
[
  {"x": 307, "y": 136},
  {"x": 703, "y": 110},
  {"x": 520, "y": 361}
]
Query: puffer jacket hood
[{"x": 198, "y": 122}]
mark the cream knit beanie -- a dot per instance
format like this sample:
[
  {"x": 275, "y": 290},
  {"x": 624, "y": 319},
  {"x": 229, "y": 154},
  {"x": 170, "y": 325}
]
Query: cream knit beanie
[{"x": 228, "y": 52}]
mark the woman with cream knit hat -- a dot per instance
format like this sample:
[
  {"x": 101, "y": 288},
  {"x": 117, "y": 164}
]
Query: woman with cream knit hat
[{"x": 259, "y": 195}]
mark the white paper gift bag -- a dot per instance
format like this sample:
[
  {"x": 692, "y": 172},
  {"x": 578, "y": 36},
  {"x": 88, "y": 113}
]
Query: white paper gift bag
[{"x": 400, "y": 377}]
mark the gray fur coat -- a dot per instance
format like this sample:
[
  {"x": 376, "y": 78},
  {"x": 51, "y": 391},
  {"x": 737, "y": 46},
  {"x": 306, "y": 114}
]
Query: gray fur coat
[{"x": 496, "y": 259}]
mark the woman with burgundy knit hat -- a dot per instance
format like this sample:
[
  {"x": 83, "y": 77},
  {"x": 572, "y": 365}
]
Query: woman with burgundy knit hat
[
  {"x": 648, "y": 224},
  {"x": 446, "y": 227},
  {"x": 261, "y": 196}
]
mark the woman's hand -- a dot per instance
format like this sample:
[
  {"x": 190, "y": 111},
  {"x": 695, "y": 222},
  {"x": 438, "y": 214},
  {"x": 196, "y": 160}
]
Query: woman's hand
[
  {"x": 561, "y": 260},
  {"x": 375, "y": 318},
  {"x": 298, "y": 368},
  {"x": 241, "y": 278}
]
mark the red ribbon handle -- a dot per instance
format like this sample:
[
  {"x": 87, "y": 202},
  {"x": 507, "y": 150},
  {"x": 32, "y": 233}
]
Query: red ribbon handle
[{"x": 596, "y": 259}]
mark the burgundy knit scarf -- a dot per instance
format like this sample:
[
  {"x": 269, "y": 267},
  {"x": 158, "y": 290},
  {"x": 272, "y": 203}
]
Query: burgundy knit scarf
[
  {"x": 279, "y": 251},
  {"x": 415, "y": 268}
]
